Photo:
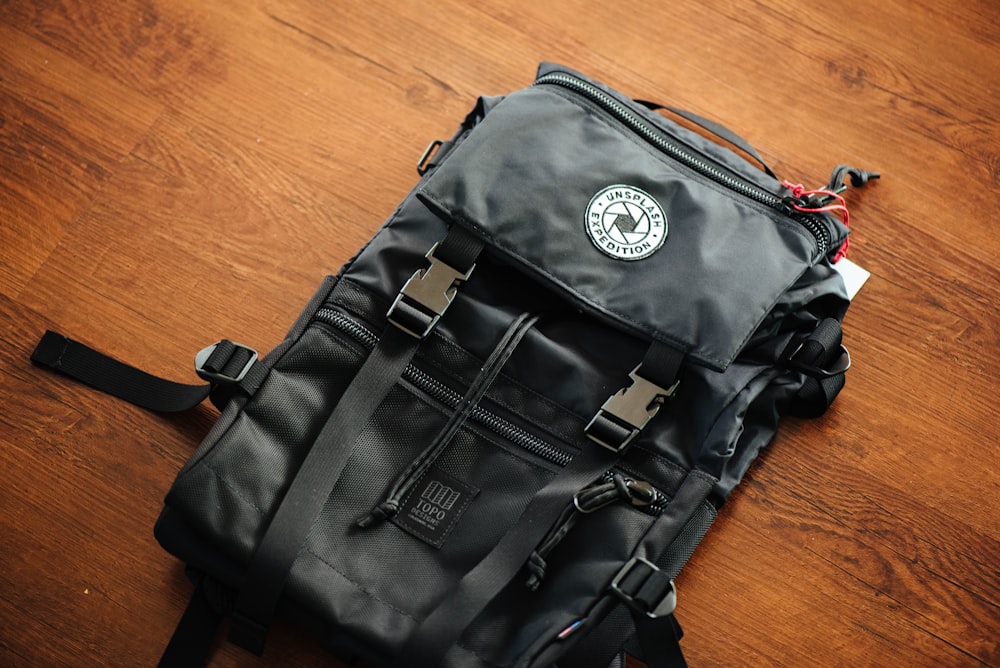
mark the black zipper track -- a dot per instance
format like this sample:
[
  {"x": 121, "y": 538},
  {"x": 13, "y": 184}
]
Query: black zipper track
[
  {"x": 447, "y": 396},
  {"x": 491, "y": 421},
  {"x": 657, "y": 138}
]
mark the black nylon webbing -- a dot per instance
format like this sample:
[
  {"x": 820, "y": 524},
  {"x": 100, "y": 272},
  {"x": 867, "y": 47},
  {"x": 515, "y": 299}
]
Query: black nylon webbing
[
  {"x": 297, "y": 512},
  {"x": 459, "y": 249},
  {"x": 195, "y": 633},
  {"x": 110, "y": 376},
  {"x": 660, "y": 638},
  {"x": 441, "y": 629},
  {"x": 820, "y": 349},
  {"x": 661, "y": 364}
]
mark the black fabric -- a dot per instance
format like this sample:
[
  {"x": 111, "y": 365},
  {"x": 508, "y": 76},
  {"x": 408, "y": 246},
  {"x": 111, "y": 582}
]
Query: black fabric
[
  {"x": 812, "y": 357},
  {"x": 430, "y": 642},
  {"x": 660, "y": 640},
  {"x": 713, "y": 234},
  {"x": 459, "y": 249},
  {"x": 661, "y": 364},
  {"x": 661, "y": 649},
  {"x": 488, "y": 373},
  {"x": 268, "y": 569},
  {"x": 195, "y": 633},
  {"x": 110, "y": 376}
]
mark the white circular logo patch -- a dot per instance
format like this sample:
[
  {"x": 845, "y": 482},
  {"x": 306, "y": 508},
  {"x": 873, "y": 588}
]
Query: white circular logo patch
[{"x": 626, "y": 223}]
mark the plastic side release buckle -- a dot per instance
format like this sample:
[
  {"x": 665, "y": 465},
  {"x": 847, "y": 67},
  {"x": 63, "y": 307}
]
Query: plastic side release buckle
[
  {"x": 625, "y": 413},
  {"x": 426, "y": 296},
  {"x": 224, "y": 362},
  {"x": 645, "y": 588}
]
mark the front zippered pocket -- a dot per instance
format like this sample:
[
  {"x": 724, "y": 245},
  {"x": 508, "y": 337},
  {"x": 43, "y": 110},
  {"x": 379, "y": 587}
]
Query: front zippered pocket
[
  {"x": 448, "y": 397},
  {"x": 699, "y": 164},
  {"x": 487, "y": 419}
]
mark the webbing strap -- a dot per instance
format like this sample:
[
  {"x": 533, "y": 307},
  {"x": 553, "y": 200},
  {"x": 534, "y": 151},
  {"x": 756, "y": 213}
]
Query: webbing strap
[
  {"x": 441, "y": 629},
  {"x": 82, "y": 363},
  {"x": 660, "y": 640},
  {"x": 823, "y": 359},
  {"x": 287, "y": 532},
  {"x": 624, "y": 415},
  {"x": 194, "y": 634},
  {"x": 659, "y": 636}
]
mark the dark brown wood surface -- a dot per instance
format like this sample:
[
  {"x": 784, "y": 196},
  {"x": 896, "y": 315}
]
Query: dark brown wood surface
[{"x": 172, "y": 172}]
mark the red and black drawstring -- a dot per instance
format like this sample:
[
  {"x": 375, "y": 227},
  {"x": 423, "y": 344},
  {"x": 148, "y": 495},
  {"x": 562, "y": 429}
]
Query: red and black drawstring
[{"x": 829, "y": 199}]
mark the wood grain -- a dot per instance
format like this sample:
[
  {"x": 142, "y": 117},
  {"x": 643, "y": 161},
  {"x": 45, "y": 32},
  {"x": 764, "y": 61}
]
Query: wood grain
[{"x": 176, "y": 172}]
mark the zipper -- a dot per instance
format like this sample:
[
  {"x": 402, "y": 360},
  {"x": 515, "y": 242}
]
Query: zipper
[
  {"x": 649, "y": 500},
  {"x": 449, "y": 397},
  {"x": 653, "y": 504},
  {"x": 613, "y": 488},
  {"x": 658, "y": 139}
]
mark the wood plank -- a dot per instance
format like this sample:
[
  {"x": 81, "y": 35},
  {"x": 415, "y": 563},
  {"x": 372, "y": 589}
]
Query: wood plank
[{"x": 55, "y": 153}]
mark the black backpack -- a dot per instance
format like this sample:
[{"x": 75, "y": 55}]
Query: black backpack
[{"x": 497, "y": 435}]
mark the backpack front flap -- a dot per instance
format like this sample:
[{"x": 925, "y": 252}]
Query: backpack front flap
[{"x": 606, "y": 231}]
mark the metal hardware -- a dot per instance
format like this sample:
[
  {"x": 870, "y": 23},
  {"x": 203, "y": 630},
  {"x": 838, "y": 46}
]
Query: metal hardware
[
  {"x": 631, "y": 408},
  {"x": 664, "y": 607},
  {"x": 428, "y": 293},
  {"x": 842, "y": 364},
  {"x": 642, "y": 493},
  {"x": 424, "y": 163}
]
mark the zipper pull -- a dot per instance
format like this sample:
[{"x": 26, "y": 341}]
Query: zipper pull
[
  {"x": 380, "y": 513},
  {"x": 612, "y": 488},
  {"x": 859, "y": 177},
  {"x": 829, "y": 198},
  {"x": 819, "y": 201}
]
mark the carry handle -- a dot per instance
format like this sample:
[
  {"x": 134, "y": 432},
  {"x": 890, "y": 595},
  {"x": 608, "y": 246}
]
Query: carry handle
[{"x": 719, "y": 131}]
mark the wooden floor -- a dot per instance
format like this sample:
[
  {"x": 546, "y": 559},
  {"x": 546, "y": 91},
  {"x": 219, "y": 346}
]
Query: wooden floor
[{"x": 176, "y": 171}]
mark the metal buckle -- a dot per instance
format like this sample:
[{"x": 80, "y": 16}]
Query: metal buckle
[
  {"x": 667, "y": 604},
  {"x": 424, "y": 163},
  {"x": 842, "y": 364},
  {"x": 432, "y": 291},
  {"x": 631, "y": 407},
  {"x": 202, "y": 358}
]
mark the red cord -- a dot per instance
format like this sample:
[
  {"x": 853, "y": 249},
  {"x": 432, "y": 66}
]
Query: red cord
[{"x": 799, "y": 191}]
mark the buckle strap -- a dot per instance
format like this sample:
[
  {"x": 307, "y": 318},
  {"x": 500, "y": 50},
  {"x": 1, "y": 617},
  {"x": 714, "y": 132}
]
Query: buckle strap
[
  {"x": 426, "y": 296},
  {"x": 821, "y": 354},
  {"x": 295, "y": 514},
  {"x": 643, "y": 587},
  {"x": 625, "y": 413},
  {"x": 224, "y": 362},
  {"x": 102, "y": 372}
]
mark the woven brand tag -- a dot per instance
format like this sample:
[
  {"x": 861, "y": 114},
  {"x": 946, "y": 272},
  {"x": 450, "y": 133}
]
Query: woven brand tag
[{"x": 433, "y": 506}]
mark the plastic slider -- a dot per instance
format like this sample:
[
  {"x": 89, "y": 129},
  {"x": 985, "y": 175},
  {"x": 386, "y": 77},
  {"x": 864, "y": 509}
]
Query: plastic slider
[
  {"x": 645, "y": 588},
  {"x": 625, "y": 413},
  {"x": 426, "y": 296},
  {"x": 224, "y": 362}
]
